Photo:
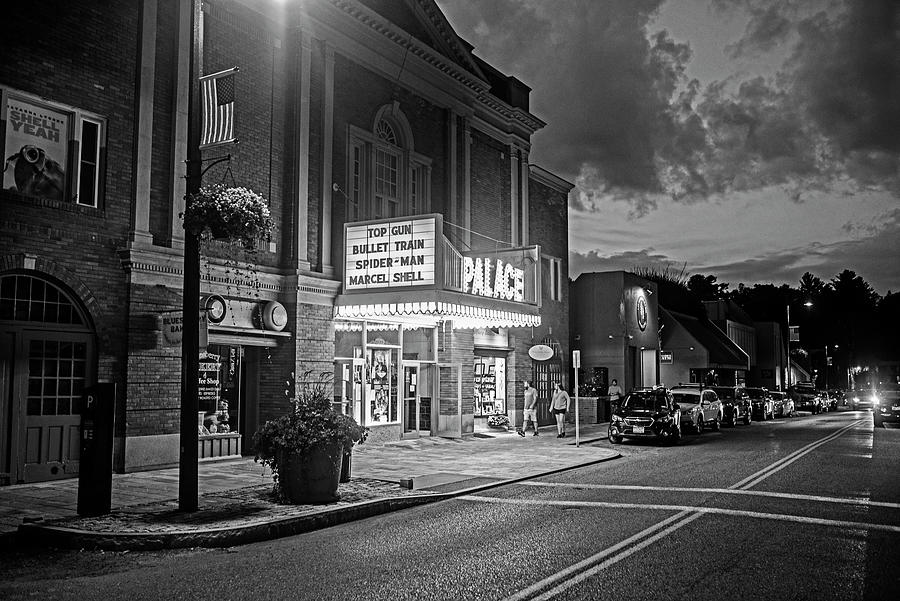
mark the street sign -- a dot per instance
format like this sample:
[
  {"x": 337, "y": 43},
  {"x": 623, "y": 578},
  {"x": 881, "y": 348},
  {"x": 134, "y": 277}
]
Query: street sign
[
  {"x": 576, "y": 359},
  {"x": 795, "y": 333}
]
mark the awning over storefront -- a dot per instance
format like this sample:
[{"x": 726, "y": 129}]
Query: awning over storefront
[
  {"x": 723, "y": 352},
  {"x": 435, "y": 306}
]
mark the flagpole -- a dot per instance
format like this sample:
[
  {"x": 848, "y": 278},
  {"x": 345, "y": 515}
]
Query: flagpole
[{"x": 190, "y": 341}]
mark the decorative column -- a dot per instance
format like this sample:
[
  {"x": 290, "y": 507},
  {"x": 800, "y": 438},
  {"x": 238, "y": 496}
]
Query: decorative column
[
  {"x": 180, "y": 120},
  {"x": 525, "y": 241},
  {"x": 143, "y": 126},
  {"x": 327, "y": 160},
  {"x": 513, "y": 196},
  {"x": 301, "y": 148}
]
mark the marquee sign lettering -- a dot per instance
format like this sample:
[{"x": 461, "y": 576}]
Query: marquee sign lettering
[
  {"x": 390, "y": 254},
  {"x": 493, "y": 278}
]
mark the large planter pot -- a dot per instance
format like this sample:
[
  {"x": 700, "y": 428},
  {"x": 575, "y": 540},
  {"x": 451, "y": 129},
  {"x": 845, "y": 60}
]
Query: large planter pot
[{"x": 313, "y": 476}]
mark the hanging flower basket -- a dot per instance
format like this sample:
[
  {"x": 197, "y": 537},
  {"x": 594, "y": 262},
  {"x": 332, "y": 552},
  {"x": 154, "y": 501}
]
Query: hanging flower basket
[{"x": 228, "y": 213}]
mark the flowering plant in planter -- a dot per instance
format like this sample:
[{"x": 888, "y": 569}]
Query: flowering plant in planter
[
  {"x": 311, "y": 425},
  {"x": 237, "y": 213}
]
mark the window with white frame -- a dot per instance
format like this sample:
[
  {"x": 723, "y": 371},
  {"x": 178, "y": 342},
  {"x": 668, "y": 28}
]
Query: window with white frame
[
  {"x": 53, "y": 151},
  {"x": 555, "y": 279},
  {"x": 387, "y": 178}
]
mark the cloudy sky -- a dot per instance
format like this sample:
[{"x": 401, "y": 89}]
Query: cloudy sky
[{"x": 753, "y": 140}]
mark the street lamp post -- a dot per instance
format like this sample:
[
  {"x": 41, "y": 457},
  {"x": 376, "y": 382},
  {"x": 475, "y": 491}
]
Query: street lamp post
[
  {"x": 806, "y": 304},
  {"x": 190, "y": 340},
  {"x": 833, "y": 346}
]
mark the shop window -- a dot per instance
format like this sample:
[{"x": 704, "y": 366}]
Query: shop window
[
  {"x": 387, "y": 178},
  {"x": 383, "y": 406},
  {"x": 220, "y": 389},
  {"x": 53, "y": 151},
  {"x": 490, "y": 386}
]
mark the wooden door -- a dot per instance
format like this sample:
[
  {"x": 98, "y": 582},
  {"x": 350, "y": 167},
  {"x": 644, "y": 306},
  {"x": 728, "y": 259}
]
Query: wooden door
[{"x": 46, "y": 403}]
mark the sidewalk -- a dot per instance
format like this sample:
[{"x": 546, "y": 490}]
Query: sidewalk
[{"x": 236, "y": 506}]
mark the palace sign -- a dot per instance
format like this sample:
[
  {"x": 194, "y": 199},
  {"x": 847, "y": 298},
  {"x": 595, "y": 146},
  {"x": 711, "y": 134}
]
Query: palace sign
[{"x": 493, "y": 278}]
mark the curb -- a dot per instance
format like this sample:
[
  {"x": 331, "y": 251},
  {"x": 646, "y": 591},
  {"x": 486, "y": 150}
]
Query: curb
[{"x": 59, "y": 536}]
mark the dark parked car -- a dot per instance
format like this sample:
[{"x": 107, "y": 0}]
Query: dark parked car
[
  {"x": 735, "y": 404},
  {"x": 647, "y": 413},
  {"x": 805, "y": 398},
  {"x": 761, "y": 402},
  {"x": 887, "y": 405}
]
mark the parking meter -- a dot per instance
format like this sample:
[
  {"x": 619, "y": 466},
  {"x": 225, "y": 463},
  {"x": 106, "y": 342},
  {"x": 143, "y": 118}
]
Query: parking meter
[{"x": 95, "y": 469}]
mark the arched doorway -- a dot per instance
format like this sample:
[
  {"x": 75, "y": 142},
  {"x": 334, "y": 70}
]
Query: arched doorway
[
  {"x": 46, "y": 360},
  {"x": 545, "y": 375}
]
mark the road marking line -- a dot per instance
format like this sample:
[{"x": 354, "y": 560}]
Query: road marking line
[
  {"x": 725, "y": 491},
  {"x": 572, "y": 574},
  {"x": 692, "y": 514},
  {"x": 754, "y": 479},
  {"x": 691, "y": 509}
]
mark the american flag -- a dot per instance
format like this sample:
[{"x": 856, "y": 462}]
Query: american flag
[{"x": 218, "y": 108}]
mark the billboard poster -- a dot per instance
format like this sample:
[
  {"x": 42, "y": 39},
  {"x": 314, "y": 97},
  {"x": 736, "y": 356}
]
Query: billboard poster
[{"x": 36, "y": 149}]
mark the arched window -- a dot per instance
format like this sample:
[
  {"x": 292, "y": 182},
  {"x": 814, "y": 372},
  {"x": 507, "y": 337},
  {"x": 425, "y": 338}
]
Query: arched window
[
  {"x": 27, "y": 298},
  {"x": 387, "y": 177}
]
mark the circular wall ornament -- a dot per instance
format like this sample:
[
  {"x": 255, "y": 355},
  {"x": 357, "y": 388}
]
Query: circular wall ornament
[
  {"x": 642, "y": 313},
  {"x": 215, "y": 307},
  {"x": 274, "y": 316}
]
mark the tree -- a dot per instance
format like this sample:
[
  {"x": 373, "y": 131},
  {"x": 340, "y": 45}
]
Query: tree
[{"x": 706, "y": 288}]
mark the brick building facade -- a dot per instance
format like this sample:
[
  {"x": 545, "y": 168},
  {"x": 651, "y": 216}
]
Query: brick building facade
[{"x": 346, "y": 112}]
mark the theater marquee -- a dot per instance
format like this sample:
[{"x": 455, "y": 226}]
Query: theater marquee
[{"x": 390, "y": 254}]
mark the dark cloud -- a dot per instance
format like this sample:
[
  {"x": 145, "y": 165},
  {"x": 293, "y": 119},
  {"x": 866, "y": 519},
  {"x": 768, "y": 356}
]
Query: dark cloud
[
  {"x": 768, "y": 27},
  {"x": 626, "y": 124}
]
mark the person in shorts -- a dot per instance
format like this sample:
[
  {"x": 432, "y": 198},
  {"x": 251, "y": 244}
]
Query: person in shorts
[
  {"x": 559, "y": 406},
  {"x": 530, "y": 413}
]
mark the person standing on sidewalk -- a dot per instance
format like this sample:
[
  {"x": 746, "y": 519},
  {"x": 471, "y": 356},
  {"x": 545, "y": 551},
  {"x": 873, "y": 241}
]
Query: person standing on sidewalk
[
  {"x": 530, "y": 412},
  {"x": 614, "y": 392},
  {"x": 559, "y": 405}
]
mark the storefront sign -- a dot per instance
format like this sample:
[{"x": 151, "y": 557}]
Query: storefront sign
[
  {"x": 172, "y": 322},
  {"x": 666, "y": 357},
  {"x": 493, "y": 278},
  {"x": 208, "y": 383},
  {"x": 540, "y": 352},
  {"x": 37, "y": 146},
  {"x": 642, "y": 313},
  {"x": 390, "y": 254}
]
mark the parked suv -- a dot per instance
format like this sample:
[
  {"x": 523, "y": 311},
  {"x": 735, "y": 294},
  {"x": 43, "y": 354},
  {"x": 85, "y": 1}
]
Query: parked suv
[
  {"x": 887, "y": 407},
  {"x": 647, "y": 413},
  {"x": 700, "y": 408},
  {"x": 805, "y": 398},
  {"x": 735, "y": 404},
  {"x": 762, "y": 405}
]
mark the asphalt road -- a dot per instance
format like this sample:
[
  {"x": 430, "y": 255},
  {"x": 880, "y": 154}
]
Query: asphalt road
[{"x": 800, "y": 508}]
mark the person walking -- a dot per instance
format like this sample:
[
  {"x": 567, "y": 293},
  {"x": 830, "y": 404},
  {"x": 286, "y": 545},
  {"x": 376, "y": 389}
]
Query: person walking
[
  {"x": 530, "y": 412},
  {"x": 559, "y": 405}
]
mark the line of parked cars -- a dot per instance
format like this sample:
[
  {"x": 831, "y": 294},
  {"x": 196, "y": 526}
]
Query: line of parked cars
[{"x": 665, "y": 414}]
